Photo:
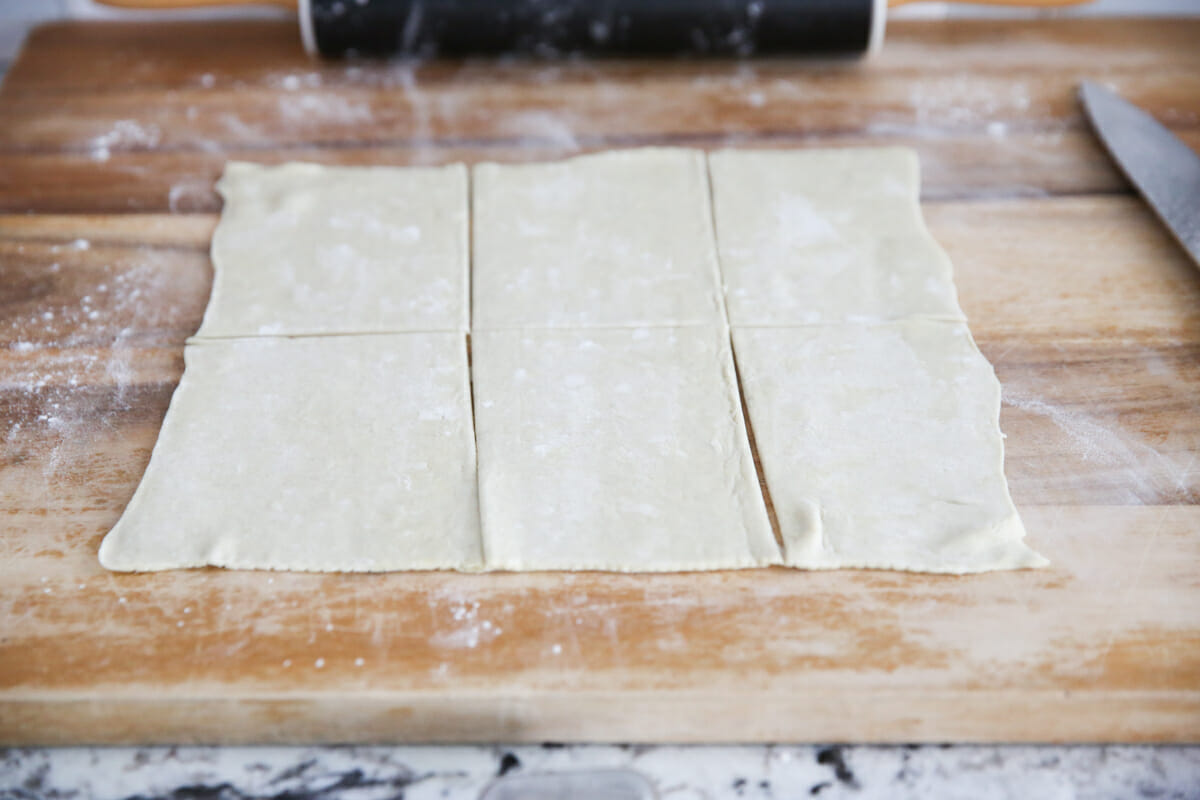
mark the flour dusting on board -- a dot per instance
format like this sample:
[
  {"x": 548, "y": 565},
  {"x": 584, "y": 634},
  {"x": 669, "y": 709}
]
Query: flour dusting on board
[
  {"x": 1141, "y": 473},
  {"x": 189, "y": 194},
  {"x": 965, "y": 100},
  {"x": 348, "y": 104},
  {"x": 74, "y": 353},
  {"x": 465, "y": 629},
  {"x": 125, "y": 134},
  {"x": 544, "y": 128},
  {"x": 405, "y": 76},
  {"x": 313, "y": 109}
]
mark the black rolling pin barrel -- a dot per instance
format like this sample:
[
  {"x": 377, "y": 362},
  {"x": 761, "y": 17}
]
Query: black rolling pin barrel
[{"x": 561, "y": 27}]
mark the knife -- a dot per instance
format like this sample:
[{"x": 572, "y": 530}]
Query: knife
[{"x": 1165, "y": 170}]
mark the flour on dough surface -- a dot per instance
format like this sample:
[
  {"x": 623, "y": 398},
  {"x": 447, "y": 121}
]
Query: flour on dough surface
[
  {"x": 307, "y": 249},
  {"x": 336, "y": 453},
  {"x": 819, "y": 236},
  {"x": 881, "y": 446},
  {"x": 616, "y": 239},
  {"x": 615, "y": 449}
]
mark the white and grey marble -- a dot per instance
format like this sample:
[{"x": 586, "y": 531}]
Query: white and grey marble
[{"x": 675, "y": 772}]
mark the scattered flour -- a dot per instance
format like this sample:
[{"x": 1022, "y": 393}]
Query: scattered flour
[
  {"x": 316, "y": 108},
  {"x": 965, "y": 101},
  {"x": 125, "y": 134},
  {"x": 190, "y": 194},
  {"x": 469, "y": 632},
  {"x": 1146, "y": 475},
  {"x": 404, "y": 76},
  {"x": 73, "y": 344},
  {"x": 542, "y": 127}
]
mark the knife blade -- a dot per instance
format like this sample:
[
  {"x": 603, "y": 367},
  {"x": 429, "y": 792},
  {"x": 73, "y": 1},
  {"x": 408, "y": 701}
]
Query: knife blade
[{"x": 1165, "y": 170}]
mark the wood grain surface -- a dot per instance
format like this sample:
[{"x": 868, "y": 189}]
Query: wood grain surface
[{"x": 110, "y": 139}]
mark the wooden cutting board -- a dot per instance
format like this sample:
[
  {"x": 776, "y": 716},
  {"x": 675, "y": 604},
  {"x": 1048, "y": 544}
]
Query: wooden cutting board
[{"x": 110, "y": 139}]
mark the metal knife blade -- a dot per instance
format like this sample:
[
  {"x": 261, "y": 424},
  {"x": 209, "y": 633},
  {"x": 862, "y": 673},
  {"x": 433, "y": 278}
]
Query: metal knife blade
[{"x": 1165, "y": 170}]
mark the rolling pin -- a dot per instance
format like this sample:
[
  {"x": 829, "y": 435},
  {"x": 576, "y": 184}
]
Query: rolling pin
[{"x": 335, "y": 28}]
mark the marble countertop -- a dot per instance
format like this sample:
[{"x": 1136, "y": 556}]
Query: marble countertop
[{"x": 676, "y": 772}]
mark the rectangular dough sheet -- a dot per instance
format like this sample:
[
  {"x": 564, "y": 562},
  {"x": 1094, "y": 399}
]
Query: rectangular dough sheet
[
  {"x": 337, "y": 453},
  {"x": 617, "y": 239},
  {"x": 815, "y": 236},
  {"x": 881, "y": 446},
  {"x": 608, "y": 419},
  {"x": 306, "y": 249},
  {"x": 615, "y": 449}
]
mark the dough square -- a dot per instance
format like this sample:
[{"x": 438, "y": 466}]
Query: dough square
[
  {"x": 819, "y": 236},
  {"x": 615, "y": 449},
  {"x": 307, "y": 249},
  {"x": 881, "y": 446},
  {"x": 617, "y": 239},
  {"x": 337, "y": 454}
]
